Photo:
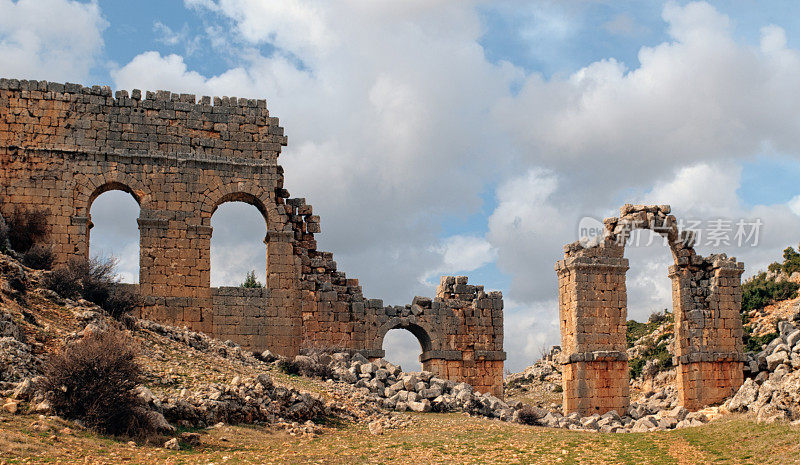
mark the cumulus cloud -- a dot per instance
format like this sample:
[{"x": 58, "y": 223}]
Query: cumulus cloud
[
  {"x": 50, "y": 39},
  {"x": 116, "y": 233},
  {"x": 412, "y": 121},
  {"x": 380, "y": 108},
  {"x": 460, "y": 254},
  {"x": 700, "y": 96}
]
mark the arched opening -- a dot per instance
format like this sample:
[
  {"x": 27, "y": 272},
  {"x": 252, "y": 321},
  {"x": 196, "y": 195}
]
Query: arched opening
[
  {"x": 237, "y": 243},
  {"x": 647, "y": 281},
  {"x": 404, "y": 345},
  {"x": 114, "y": 231},
  {"x": 650, "y": 318}
]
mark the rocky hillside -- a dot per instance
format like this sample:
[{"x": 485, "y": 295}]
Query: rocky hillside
[
  {"x": 193, "y": 381},
  {"x": 196, "y": 388}
]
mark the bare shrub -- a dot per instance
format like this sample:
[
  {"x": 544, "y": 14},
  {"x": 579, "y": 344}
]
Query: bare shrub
[
  {"x": 64, "y": 281},
  {"x": 121, "y": 301},
  {"x": 305, "y": 366},
  {"x": 528, "y": 415},
  {"x": 288, "y": 367},
  {"x": 93, "y": 380},
  {"x": 26, "y": 228},
  {"x": 94, "y": 280},
  {"x": 39, "y": 257}
]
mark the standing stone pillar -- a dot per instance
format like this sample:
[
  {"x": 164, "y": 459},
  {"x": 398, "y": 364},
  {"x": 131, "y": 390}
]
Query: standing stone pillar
[
  {"x": 77, "y": 237},
  {"x": 173, "y": 270},
  {"x": 708, "y": 332},
  {"x": 283, "y": 283},
  {"x": 592, "y": 313}
]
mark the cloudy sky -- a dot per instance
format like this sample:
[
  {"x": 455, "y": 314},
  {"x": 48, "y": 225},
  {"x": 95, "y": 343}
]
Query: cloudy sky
[{"x": 466, "y": 137}]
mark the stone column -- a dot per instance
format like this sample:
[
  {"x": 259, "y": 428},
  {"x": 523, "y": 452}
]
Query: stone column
[
  {"x": 283, "y": 282},
  {"x": 708, "y": 333},
  {"x": 593, "y": 312}
]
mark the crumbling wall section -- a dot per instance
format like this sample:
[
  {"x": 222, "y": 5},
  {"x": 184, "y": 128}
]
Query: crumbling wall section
[{"x": 460, "y": 332}]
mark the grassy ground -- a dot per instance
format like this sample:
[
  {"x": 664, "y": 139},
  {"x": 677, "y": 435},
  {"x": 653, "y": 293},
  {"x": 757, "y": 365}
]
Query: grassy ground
[{"x": 432, "y": 438}]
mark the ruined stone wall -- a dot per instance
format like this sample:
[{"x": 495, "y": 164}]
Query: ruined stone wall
[
  {"x": 706, "y": 292},
  {"x": 63, "y": 145}
]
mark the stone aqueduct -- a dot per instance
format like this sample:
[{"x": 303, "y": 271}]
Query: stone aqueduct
[{"x": 62, "y": 145}]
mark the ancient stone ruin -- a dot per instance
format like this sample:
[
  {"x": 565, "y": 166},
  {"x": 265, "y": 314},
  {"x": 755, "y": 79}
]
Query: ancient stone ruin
[
  {"x": 706, "y": 296},
  {"x": 62, "y": 145}
]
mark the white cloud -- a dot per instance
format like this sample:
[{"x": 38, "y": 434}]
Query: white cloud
[
  {"x": 700, "y": 96},
  {"x": 794, "y": 205},
  {"x": 382, "y": 109},
  {"x": 528, "y": 230},
  {"x": 116, "y": 233},
  {"x": 624, "y": 25},
  {"x": 166, "y": 35},
  {"x": 530, "y": 329},
  {"x": 49, "y": 39},
  {"x": 460, "y": 254}
]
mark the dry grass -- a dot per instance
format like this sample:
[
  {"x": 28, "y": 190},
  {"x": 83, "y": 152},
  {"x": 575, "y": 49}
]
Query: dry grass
[{"x": 432, "y": 438}]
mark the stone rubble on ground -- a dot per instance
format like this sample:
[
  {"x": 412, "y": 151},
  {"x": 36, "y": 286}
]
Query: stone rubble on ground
[{"x": 771, "y": 390}]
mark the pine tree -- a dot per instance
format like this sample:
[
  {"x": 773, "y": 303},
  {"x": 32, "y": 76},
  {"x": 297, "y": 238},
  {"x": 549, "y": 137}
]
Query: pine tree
[{"x": 250, "y": 281}]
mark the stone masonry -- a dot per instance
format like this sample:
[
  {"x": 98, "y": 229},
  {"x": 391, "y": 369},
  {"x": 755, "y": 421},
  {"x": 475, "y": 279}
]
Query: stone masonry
[
  {"x": 63, "y": 145},
  {"x": 706, "y": 295}
]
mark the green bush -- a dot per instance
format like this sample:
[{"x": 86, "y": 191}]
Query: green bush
[
  {"x": 637, "y": 330},
  {"x": 759, "y": 292},
  {"x": 754, "y": 343},
  {"x": 658, "y": 351}
]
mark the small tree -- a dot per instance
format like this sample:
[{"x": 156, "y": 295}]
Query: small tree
[
  {"x": 250, "y": 281},
  {"x": 791, "y": 261}
]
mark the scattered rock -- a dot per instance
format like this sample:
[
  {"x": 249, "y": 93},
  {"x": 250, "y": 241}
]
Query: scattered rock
[
  {"x": 172, "y": 444},
  {"x": 375, "y": 428},
  {"x": 11, "y": 407},
  {"x": 192, "y": 439}
]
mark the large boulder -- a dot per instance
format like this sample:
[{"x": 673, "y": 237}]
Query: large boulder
[
  {"x": 423, "y": 406},
  {"x": 744, "y": 397},
  {"x": 776, "y": 359}
]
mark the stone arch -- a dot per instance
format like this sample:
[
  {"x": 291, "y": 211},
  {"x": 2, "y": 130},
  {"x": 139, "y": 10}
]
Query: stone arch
[
  {"x": 419, "y": 329},
  {"x": 706, "y": 298},
  {"x": 240, "y": 217},
  {"x": 87, "y": 189},
  {"x": 241, "y": 192}
]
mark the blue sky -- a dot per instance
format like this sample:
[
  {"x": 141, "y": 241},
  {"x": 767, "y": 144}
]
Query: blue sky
[{"x": 463, "y": 137}]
